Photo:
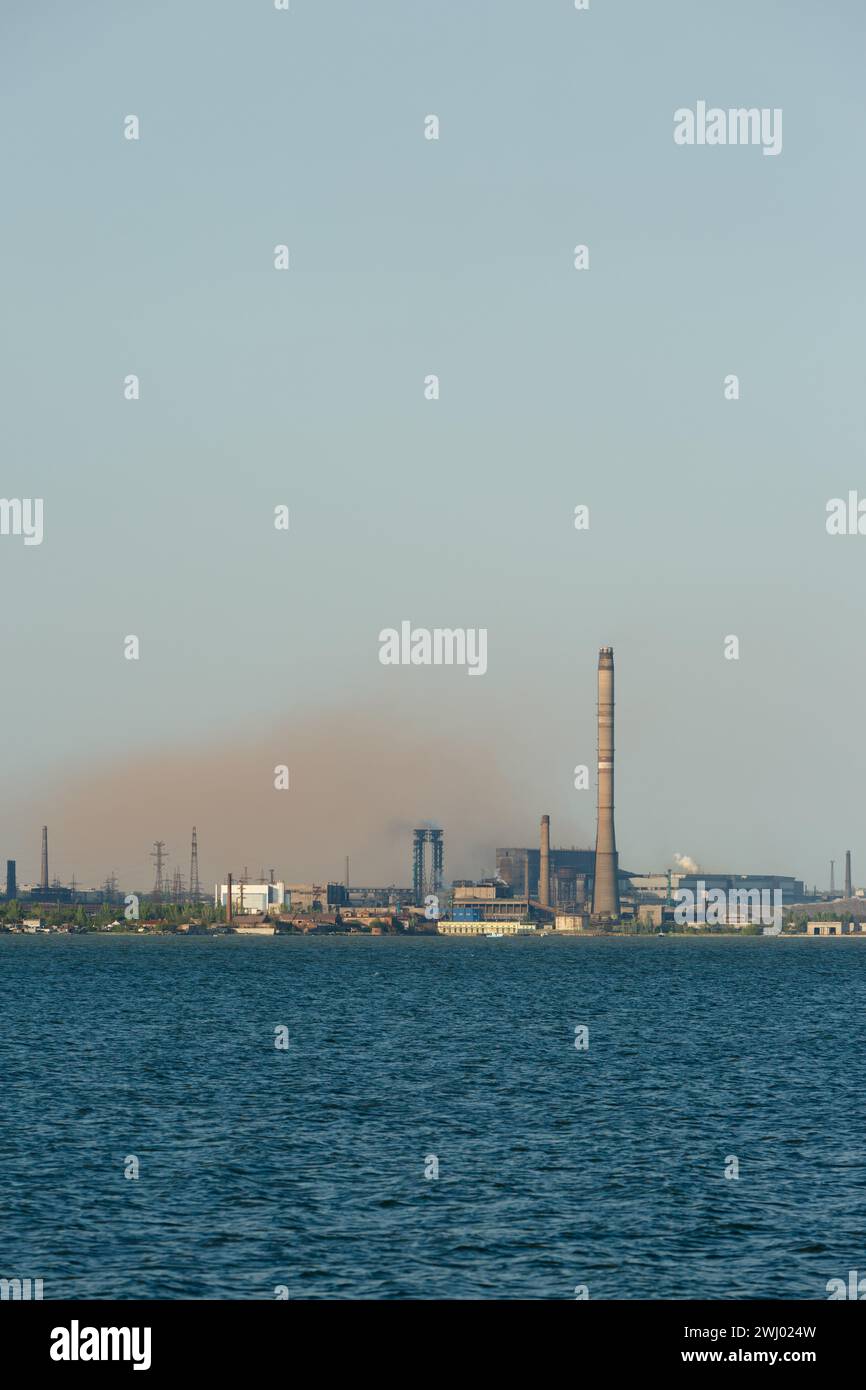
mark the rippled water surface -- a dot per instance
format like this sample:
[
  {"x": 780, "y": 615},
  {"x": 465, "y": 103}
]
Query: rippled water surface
[{"x": 305, "y": 1167}]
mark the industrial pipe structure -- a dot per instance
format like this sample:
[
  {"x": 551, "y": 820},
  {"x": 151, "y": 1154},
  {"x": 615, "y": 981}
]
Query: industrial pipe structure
[
  {"x": 605, "y": 892},
  {"x": 544, "y": 865},
  {"x": 849, "y": 891}
]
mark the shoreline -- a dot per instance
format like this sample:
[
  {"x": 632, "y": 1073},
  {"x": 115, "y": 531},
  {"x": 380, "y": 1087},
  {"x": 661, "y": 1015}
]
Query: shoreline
[{"x": 435, "y": 936}]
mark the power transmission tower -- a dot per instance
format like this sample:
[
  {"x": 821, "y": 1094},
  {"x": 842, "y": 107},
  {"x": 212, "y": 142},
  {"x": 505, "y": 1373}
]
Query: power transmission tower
[
  {"x": 159, "y": 856},
  {"x": 194, "y": 884}
]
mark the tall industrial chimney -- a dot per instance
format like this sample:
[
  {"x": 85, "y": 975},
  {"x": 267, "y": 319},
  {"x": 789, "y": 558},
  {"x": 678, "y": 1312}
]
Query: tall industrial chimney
[
  {"x": 605, "y": 893},
  {"x": 849, "y": 892},
  {"x": 544, "y": 864},
  {"x": 43, "y": 882},
  {"x": 229, "y": 899}
]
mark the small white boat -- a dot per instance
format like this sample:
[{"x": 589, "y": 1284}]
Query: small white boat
[{"x": 495, "y": 935}]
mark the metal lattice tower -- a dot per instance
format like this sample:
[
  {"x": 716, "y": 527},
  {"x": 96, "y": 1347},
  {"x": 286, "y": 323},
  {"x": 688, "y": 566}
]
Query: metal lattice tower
[
  {"x": 435, "y": 838},
  {"x": 419, "y": 837},
  {"x": 194, "y": 884},
  {"x": 426, "y": 869},
  {"x": 159, "y": 857}
]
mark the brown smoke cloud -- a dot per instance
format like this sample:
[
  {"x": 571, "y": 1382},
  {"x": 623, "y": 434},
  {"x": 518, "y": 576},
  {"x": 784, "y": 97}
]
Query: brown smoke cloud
[{"x": 360, "y": 780}]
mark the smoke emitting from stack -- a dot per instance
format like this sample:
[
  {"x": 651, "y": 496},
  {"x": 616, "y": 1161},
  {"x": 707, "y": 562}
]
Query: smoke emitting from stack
[{"x": 605, "y": 893}]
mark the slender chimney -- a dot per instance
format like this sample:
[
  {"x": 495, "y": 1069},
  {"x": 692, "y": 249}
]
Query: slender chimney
[
  {"x": 605, "y": 893},
  {"x": 544, "y": 864},
  {"x": 849, "y": 892},
  {"x": 229, "y": 900},
  {"x": 43, "y": 882}
]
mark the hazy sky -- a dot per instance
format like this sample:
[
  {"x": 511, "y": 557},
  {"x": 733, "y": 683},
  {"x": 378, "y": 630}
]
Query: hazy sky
[{"x": 305, "y": 387}]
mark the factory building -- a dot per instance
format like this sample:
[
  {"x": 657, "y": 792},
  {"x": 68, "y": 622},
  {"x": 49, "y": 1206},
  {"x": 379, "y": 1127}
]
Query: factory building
[
  {"x": 701, "y": 883},
  {"x": 653, "y": 885},
  {"x": 316, "y": 897},
  {"x": 571, "y": 875},
  {"x": 389, "y": 896},
  {"x": 490, "y": 902},
  {"x": 251, "y": 897},
  {"x": 571, "y": 871},
  {"x": 571, "y": 922}
]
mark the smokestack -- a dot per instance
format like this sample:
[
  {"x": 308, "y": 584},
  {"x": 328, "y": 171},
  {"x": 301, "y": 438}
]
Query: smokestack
[
  {"x": 43, "y": 882},
  {"x": 849, "y": 893},
  {"x": 229, "y": 900},
  {"x": 544, "y": 864},
  {"x": 605, "y": 893}
]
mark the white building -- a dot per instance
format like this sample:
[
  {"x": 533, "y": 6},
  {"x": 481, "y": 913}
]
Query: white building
[
  {"x": 656, "y": 884},
  {"x": 251, "y": 897},
  {"x": 447, "y": 926}
]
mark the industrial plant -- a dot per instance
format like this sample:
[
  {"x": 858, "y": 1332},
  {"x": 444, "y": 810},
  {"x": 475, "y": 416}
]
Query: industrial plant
[{"x": 538, "y": 888}]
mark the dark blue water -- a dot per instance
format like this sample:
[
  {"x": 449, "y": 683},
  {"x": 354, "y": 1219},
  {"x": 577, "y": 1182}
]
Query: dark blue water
[{"x": 305, "y": 1168}]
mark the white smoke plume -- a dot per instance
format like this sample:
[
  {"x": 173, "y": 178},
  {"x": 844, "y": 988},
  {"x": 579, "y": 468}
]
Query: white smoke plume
[{"x": 684, "y": 862}]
